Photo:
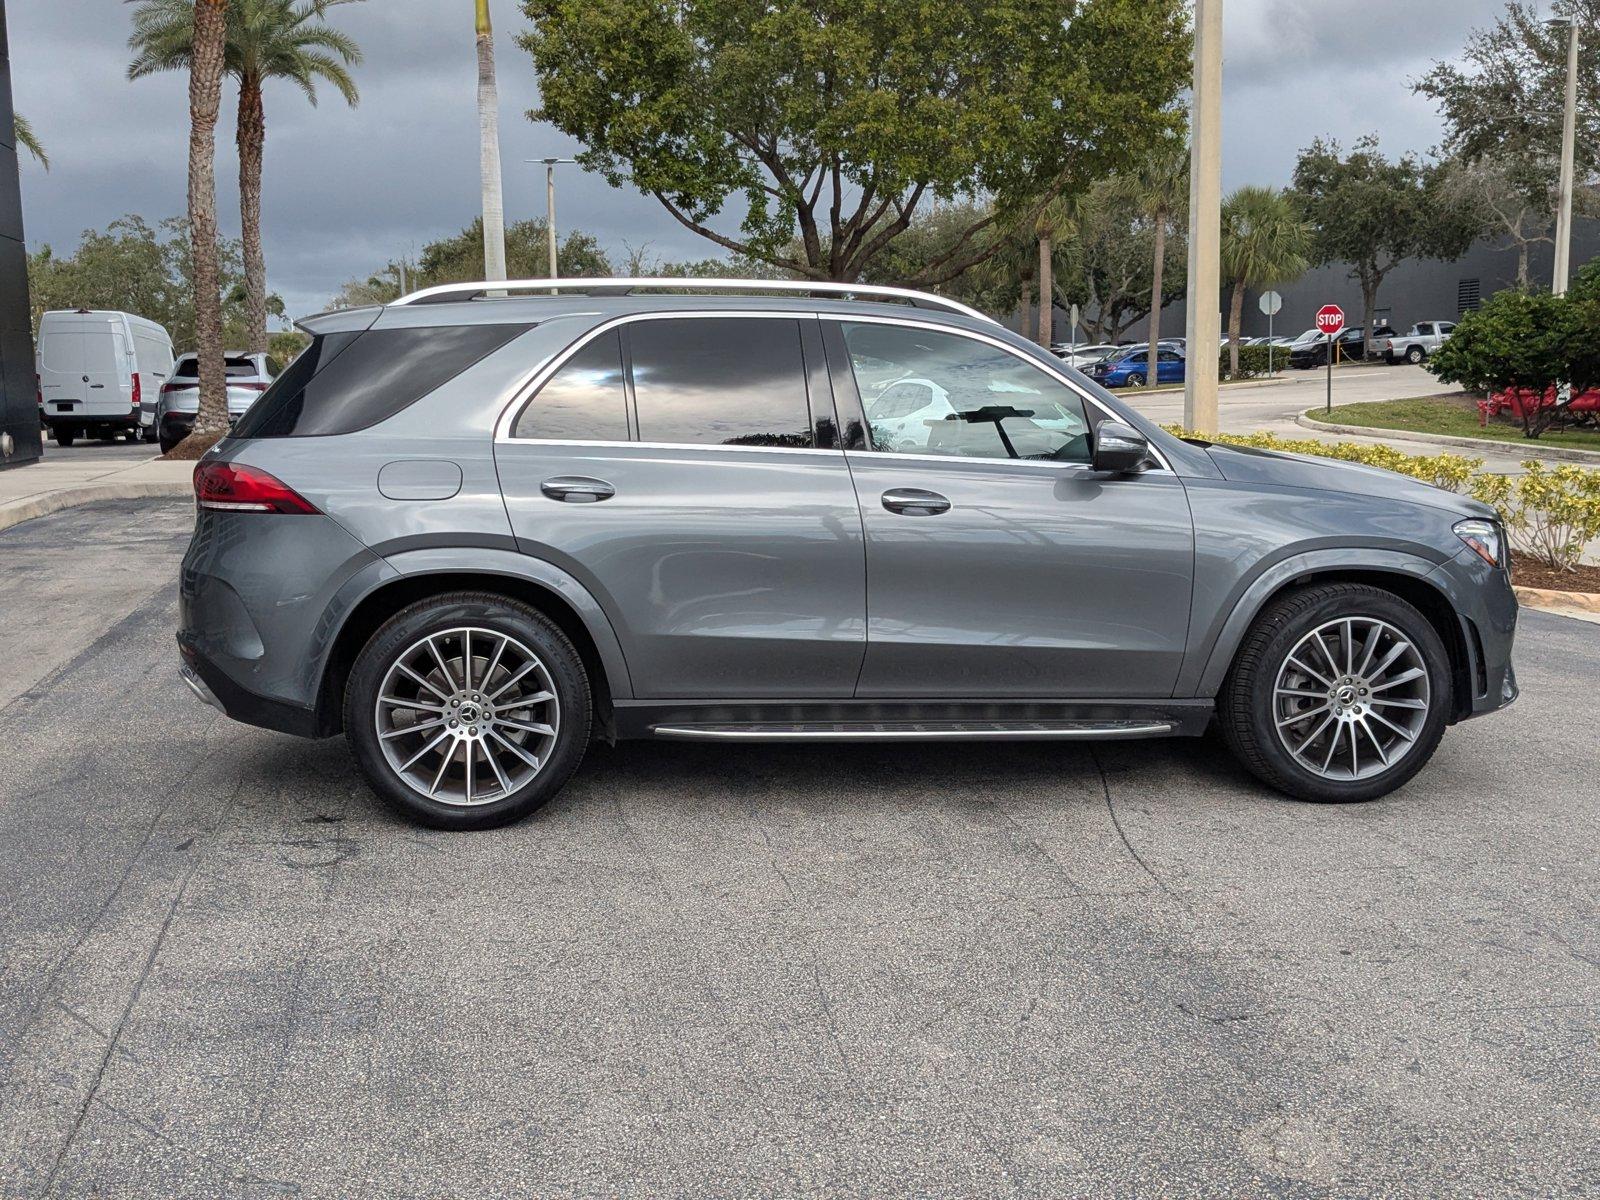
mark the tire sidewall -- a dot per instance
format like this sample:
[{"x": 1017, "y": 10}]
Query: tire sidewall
[
  {"x": 1367, "y": 602},
  {"x": 482, "y": 612}
]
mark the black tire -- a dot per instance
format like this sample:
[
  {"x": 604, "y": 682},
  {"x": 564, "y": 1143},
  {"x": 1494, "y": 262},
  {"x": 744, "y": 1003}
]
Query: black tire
[
  {"x": 1136, "y": 380},
  {"x": 64, "y": 437},
  {"x": 499, "y": 615},
  {"x": 1415, "y": 354},
  {"x": 1246, "y": 712},
  {"x": 167, "y": 443}
]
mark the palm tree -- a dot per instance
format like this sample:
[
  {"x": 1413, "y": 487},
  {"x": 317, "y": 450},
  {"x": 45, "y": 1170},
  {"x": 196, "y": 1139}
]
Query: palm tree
[
  {"x": 267, "y": 39},
  {"x": 1160, "y": 187},
  {"x": 494, "y": 216},
  {"x": 1264, "y": 242},
  {"x": 1055, "y": 220},
  {"x": 207, "y": 61},
  {"x": 29, "y": 140}
]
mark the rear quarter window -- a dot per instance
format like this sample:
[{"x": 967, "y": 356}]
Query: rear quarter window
[{"x": 343, "y": 382}]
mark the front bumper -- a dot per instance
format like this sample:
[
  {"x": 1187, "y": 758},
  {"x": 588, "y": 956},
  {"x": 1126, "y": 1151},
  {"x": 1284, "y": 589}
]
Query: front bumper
[{"x": 1486, "y": 608}]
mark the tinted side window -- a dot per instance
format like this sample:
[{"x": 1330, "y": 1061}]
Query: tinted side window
[
  {"x": 987, "y": 403},
  {"x": 720, "y": 381},
  {"x": 348, "y": 381},
  {"x": 584, "y": 400}
]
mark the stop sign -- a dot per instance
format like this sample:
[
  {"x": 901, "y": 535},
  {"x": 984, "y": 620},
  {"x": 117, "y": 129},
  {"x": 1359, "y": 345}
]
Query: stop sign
[{"x": 1330, "y": 319}]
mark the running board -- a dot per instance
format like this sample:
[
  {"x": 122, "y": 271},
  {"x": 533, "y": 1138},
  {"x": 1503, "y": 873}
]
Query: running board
[{"x": 909, "y": 731}]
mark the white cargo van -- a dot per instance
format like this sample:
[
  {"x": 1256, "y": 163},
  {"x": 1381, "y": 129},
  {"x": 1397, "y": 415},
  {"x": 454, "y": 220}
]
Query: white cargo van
[{"x": 95, "y": 368}]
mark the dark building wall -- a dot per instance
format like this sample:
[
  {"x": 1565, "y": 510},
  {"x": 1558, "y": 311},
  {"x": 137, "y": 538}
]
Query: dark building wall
[
  {"x": 1416, "y": 290},
  {"x": 19, "y": 408}
]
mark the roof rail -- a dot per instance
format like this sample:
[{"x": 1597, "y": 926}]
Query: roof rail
[{"x": 627, "y": 286}]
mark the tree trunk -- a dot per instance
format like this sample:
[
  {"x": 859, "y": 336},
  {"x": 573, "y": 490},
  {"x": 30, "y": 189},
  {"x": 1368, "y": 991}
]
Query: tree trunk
[
  {"x": 1047, "y": 298},
  {"x": 1235, "y": 322},
  {"x": 252, "y": 138},
  {"x": 494, "y": 218},
  {"x": 205, "y": 97},
  {"x": 1522, "y": 264},
  {"x": 1158, "y": 269},
  {"x": 1369, "y": 310}
]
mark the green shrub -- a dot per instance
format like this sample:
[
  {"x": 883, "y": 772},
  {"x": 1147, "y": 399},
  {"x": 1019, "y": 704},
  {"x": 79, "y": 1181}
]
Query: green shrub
[
  {"x": 1253, "y": 361},
  {"x": 1550, "y": 513}
]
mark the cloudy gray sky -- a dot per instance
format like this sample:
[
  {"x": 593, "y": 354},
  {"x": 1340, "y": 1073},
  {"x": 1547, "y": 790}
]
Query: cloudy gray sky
[{"x": 346, "y": 189}]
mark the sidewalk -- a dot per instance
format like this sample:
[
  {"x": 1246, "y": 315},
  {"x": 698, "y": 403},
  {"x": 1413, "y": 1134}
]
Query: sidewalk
[{"x": 64, "y": 480}]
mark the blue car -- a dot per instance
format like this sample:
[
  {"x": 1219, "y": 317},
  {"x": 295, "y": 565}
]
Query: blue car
[{"x": 1129, "y": 367}]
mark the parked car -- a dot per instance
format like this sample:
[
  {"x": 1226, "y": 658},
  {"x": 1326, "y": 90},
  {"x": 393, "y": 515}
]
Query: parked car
[
  {"x": 248, "y": 375},
  {"x": 96, "y": 367},
  {"x": 1084, "y": 356},
  {"x": 1131, "y": 366},
  {"x": 1425, "y": 337},
  {"x": 474, "y": 535}
]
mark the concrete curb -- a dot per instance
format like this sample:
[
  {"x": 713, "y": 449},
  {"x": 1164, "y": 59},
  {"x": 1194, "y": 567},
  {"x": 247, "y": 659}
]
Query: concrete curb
[
  {"x": 18, "y": 511},
  {"x": 1559, "y": 453},
  {"x": 1548, "y": 600}
]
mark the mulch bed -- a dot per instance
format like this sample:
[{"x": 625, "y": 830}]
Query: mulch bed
[{"x": 1528, "y": 572}]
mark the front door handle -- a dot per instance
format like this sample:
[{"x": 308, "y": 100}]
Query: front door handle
[
  {"x": 577, "y": 489},
  {"x": 914, "y": 502}
]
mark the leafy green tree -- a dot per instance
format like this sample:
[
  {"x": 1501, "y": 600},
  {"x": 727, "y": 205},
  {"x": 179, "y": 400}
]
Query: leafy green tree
[
  {"x": 1515, "y": 340},
  {"x": 834, "y": 121},
  {"x": 1502, "y": 102},
  {"x": 994, "y": 285},
  {"x": 1108, "y": 266},
  {"x": 459, "y": 258},
  {"x": 1264, "y": 241},
  {"x": 265, "y": 39},
  {"x": 1374, "y": 214},
  {"x": 135, "y": 267},
  {"x": 1159, "y": 186},
  {"x": 22, "y": 130}
]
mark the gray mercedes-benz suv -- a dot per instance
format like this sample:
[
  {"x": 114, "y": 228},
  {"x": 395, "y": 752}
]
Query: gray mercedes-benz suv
[{"x": 476, "y": 527}]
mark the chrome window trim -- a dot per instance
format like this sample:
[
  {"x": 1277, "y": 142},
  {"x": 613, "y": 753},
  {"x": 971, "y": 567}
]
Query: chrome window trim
[
  {"x": 1087, "y": 397},
  {"x": 528, "y": 386},
  {"x": 523, "y": 391}
]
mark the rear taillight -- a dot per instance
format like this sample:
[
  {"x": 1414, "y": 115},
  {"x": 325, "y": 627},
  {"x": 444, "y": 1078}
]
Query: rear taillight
[
  {"x": 252, "y": 387},
  {"x": 178, "y": 387},
  {"x": 233, "y": 487},
  {"x": 137, "y": 392}
]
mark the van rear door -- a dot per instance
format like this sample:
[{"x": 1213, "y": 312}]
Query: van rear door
[{"x": 83, "y": 368}]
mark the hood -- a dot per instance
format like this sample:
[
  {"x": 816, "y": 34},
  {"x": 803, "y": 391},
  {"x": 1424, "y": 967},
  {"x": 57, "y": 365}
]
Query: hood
[{"x": 1245, "y": 464}]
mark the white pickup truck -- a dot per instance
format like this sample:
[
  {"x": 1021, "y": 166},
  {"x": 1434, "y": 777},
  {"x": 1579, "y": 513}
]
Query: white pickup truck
[{"x": 1425, "y": 337}]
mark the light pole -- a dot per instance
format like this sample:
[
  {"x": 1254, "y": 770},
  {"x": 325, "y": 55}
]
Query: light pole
[
  {"x": 1204, "y": 325},
  {"x": 1569, "y": 140},
  {"x": 550, "y": 205}
]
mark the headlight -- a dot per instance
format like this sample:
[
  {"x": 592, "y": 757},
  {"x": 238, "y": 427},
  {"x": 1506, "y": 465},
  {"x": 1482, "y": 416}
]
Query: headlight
[{"x": 1483, "y": 537}]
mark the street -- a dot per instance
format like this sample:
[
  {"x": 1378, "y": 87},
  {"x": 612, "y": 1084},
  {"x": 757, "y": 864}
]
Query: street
[{"x": 1030, "y": 970}]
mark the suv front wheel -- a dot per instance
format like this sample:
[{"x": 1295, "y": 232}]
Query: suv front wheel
[
  {"x": 1339, "y": 693},
  {"x": 468, "y": 710}
]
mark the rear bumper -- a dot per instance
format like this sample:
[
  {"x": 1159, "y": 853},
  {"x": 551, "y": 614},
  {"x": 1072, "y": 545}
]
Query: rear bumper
[
  {"x": 216, "y": 687},
  {"x": 127, "y": 418}
]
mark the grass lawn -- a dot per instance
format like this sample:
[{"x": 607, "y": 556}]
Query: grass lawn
[{"x": 1453, "y": 415}]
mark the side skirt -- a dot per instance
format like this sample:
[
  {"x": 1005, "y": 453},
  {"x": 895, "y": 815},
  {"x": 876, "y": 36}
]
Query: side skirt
[{"x": 892, "y": 721}]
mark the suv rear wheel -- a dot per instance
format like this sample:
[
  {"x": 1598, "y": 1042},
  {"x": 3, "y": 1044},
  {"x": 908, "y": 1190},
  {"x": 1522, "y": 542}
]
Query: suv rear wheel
[
  {"x": 1339, "y": 693},
  {"x": 468, "y": 710}
]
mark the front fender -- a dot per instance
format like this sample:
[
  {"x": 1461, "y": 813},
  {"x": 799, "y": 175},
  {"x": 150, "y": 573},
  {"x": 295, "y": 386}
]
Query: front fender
[{"x": 1209, "y": 657}]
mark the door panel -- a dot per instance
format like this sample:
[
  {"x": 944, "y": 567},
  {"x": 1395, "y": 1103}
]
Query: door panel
[
  {"x": 726, "y": 573},
  {"x": 1036, "y": 582},
  {"x": 727, "y": 549}
]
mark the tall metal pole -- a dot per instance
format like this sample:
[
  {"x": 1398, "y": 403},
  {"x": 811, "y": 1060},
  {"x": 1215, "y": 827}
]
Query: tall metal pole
[
  {"x": 1204, "y": 325},
  {"x": 1569, "y": 137},
  {"x": 550, "y": 215}
]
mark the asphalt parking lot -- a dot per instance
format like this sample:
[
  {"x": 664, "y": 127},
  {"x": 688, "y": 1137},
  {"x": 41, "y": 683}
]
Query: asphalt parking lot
[{"x": 1027, "y": 970}]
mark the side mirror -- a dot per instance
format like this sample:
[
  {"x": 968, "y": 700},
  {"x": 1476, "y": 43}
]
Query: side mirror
[{"x": 1119, "y": 448}]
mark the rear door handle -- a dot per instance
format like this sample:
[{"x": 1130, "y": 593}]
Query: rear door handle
[
  {"x": 577, "y": 489},
  {"x": 914, "y": 502}
]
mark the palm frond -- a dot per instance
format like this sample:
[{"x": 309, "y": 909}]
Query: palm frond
[{"x": 22, "y": 130}]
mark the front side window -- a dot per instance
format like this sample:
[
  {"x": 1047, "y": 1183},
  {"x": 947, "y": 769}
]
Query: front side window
[
  {"x": 978, "y": 401},
  {"x": 720, "y": 381},
  {"x": 585, "y": 400}
]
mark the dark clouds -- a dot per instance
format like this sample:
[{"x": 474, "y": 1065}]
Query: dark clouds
[{"x": 348, "y": 189}]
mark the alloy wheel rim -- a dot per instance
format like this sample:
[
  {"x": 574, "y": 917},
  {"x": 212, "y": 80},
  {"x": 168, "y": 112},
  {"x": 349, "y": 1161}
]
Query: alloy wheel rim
[
  {"x": 467, "y": 716},
  {"x": 1351, "y": 699}
]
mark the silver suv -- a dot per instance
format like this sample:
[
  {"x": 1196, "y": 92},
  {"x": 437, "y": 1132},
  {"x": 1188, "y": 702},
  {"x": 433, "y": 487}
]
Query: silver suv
[
  {"x": 484, "y": 524},
  {"x": 172, "y": 416}
]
